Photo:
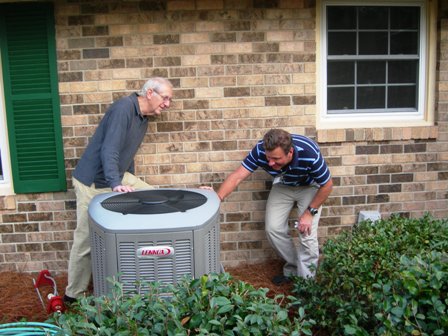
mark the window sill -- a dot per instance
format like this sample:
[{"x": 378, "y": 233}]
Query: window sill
[
  {"x": 377, "y": 134},
  {"x": 7, "y": 203},
  {"x": 6, "y": 189}
]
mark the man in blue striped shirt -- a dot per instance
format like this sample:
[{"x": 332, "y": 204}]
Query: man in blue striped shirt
[{"x": 300, "y": 176}]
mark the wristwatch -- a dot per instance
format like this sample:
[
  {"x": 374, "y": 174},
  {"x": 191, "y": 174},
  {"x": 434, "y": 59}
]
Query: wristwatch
[{"x": 313, "y": 211}]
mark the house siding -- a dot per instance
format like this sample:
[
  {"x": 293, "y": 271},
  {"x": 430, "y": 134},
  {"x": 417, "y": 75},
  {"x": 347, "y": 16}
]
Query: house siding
[{"x": 239, "y": 68}]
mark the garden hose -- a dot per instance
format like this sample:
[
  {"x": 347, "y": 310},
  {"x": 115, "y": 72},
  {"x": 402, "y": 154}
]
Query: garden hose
[{"x": 30, "y": 329}]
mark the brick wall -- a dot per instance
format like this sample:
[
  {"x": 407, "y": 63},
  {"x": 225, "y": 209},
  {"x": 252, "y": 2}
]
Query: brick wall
[{"x": 238, "y": 69}]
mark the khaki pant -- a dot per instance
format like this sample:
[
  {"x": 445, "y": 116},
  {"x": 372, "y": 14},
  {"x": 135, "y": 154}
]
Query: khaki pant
[
  {"x": 79, "y": 267},
  {"x": 303, "y": 260}
]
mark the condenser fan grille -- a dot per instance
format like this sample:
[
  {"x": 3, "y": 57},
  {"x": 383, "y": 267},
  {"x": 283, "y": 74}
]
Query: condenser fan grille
[{"x": 154, "y": 202}]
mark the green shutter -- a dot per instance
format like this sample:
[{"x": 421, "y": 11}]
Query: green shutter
[{"x": 31, "y": 97}]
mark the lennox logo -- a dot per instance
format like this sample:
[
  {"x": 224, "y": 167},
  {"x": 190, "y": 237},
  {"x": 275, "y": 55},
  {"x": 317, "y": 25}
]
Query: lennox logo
[{"x": 155, "y": 252}]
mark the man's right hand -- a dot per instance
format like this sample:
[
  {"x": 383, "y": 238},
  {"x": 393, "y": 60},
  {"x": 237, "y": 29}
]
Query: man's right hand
[{"x": 123, "y": 188}]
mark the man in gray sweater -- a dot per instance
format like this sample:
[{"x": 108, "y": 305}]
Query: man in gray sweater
[{"x": 108, "y": 165}]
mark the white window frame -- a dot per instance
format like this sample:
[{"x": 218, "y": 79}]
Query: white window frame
[
  {"x": 6, "y": 186},
  {"x": 424, "y": 116}
]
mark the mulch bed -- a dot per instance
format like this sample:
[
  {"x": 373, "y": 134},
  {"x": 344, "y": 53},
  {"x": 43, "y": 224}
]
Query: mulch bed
[{"x": 19, "y": 300}]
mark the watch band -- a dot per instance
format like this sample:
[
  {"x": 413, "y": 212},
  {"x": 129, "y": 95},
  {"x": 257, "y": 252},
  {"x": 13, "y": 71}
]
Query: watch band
[{"x": 313, "y": 211}]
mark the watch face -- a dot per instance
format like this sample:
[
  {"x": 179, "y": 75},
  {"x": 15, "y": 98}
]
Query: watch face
[{"x": 313, "y": 211}]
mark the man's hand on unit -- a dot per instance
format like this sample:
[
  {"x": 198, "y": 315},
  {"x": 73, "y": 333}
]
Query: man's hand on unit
[{"x": 123, "y": 188}]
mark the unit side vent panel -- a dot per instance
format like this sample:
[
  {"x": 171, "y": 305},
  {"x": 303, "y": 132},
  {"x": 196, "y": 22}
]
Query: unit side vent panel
[
  {"x": 184, "y": 258},
  {"x": 211, "y": 247},
  {"x": 135, "y": 270},
  {"x": 127, "y": 265},
  {"x": 99, "y": 277},
  {"x": 165, "y": 267}
]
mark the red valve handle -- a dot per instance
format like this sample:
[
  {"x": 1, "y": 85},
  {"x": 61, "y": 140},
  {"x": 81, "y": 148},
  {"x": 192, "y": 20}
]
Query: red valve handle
[{"x": 55, "y": 304}]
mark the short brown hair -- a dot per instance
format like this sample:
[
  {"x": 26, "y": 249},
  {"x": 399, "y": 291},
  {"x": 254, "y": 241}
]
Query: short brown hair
[{"x": 277, "y": 138}]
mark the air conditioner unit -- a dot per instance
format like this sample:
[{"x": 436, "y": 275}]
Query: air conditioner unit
[{"x": 153, "y": 235}]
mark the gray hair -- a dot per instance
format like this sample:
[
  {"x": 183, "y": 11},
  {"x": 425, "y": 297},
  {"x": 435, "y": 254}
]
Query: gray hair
[{"x": 155, "y": 84}]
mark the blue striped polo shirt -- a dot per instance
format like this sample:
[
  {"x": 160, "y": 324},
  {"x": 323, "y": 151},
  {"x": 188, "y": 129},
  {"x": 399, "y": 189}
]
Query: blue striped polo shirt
[{"x": 306, "y": 167}]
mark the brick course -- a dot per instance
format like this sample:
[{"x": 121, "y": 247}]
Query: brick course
[{"x": 238, "y": 70}]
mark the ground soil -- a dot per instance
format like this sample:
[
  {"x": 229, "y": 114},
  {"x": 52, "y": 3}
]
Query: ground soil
[{"x": 19, "y": 300}]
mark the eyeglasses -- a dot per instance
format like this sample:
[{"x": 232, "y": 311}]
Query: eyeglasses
[{"x": 166, "y": 99}]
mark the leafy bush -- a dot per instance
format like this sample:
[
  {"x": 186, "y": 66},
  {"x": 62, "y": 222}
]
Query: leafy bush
[
  {"x": 212, "y": 305},
  {"x": 384, "y": 278},
  {"x": 415, "y": 303}
]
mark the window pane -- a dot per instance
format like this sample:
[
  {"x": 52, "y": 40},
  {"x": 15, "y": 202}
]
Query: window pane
[
  {"x": 405, "y": 17},
  {"x": 373, "y": 58},
  {"x": 373, "y": 17},
  {"x": 342, "y": 43},
  {"x": 373, "y": 43},
  {"x": 339, "y": 17},
  {"x": 371, "y": 97},
  {"x": 402, "y": 96},
  {"x": 340, "y": 73},
  {"x": 340, "y": 98},
  {"x": 403, "y": 71},
  {"x": 371, "y": 72},
  {"x": 404, "y": 43}
]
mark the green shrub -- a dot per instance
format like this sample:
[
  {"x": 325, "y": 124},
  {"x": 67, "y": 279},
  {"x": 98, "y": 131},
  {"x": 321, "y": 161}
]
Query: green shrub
[
  {"x": 212, "y": 305},
  {"x": 364, "y": 284},
  {"x": 416, "y": 302}
]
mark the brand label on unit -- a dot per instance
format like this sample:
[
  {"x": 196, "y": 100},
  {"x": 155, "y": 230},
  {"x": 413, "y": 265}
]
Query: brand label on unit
[{"x": 155, "y": 252}]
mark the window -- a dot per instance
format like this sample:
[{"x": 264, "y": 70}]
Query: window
[
  {"x": 374, "y": 57},
  {"x": 30, "y": 109}
]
